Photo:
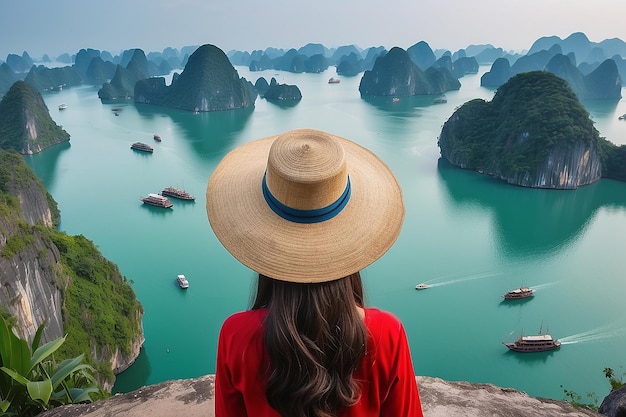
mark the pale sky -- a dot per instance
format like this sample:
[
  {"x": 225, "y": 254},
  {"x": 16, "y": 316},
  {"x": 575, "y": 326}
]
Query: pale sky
[{"x": 55, "y": 27}]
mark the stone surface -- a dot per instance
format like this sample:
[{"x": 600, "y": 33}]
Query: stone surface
[
  {"x": 194, "y": 398},
  {"x": 614, "y": 405}
]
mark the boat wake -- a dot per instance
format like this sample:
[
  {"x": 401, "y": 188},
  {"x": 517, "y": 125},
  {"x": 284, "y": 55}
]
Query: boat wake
[
  {"x": 603, "y": 332},
  {"x": 434, "y": 283},
  {"x": 542, "y": 286}
]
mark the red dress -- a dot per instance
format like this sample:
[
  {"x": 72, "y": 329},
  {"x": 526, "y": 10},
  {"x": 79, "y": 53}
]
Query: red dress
[{"x": 388, "y": 386}]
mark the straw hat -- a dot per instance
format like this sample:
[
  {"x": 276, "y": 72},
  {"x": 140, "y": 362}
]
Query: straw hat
[{"x": 304, "y": 206}]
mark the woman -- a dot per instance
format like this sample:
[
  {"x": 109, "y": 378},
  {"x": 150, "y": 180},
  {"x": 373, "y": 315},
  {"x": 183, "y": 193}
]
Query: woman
[{"x": 307, "y": 211}]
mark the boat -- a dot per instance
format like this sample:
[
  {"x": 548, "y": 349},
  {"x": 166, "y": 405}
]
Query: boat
[
  {"x": 157, "y": 201},
  {"x": 622, "y": 117},
  {"x": 538, "y": 343},
  {"x": 182, "y": 281},
  {"x": 441, "y": 98},
  {"x": 62, "y": 106},
  {"x": 421, "y": 286},
  {"x": 157, "y": 138},
  {"x": 177, "y": 193},
  {"x": 140, "y": 146},
  {"x": 395, "y": 99},
  {"x": 334, "y": 80},
  {"x": 518, "y": 293}
]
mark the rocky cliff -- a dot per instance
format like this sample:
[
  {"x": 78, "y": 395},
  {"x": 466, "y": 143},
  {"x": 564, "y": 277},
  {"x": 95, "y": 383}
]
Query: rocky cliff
[
  {"x": 567, "y": 166},
  {"x": 25, "y": 122},
  {"x": 194, "y": 398},
  {"x": 47, "y": 277},
  {"x": 534, "y": 133},
  {"x": 614, "y": 404},
  {"x": 31, "y": 282},
  {"x": 30, "y": 272}
]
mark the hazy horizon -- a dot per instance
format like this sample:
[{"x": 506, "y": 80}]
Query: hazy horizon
[{"x": 54, "y": 28}]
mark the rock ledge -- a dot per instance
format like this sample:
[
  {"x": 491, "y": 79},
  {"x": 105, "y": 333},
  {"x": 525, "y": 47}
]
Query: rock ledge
[{"x": 194, "y": 398}]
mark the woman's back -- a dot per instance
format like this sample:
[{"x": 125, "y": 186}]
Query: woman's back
[
  {"x": 385, "y": 374},
  {"x": 308, "y": 210}
]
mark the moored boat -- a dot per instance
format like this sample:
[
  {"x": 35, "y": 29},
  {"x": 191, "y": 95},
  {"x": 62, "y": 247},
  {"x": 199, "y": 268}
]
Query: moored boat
[
  {"x": 177, "y": 193},
  {"x": 157, "y": 201},
  {"x": 519, "y": 293},
  {"x": 441, "y": 98},
  {"x": 538, "y": 343},
  {"x": 157, "y": 138},
  {"x": 143, "y": 147},
  {"x": 182, "y": 281}
]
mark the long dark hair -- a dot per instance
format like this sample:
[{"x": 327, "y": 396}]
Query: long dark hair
[{"x": 315, "y": 338}]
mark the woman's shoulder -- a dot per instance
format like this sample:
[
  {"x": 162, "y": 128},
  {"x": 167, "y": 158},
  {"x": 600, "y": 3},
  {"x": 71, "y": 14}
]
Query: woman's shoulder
[
  {"x": 240, "y": 321},
  {"x": 381, "y": 321},
  {"x": 378, "y": 315}
]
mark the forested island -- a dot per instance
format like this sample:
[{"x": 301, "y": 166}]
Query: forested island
[{"x": 534, "y": 133}]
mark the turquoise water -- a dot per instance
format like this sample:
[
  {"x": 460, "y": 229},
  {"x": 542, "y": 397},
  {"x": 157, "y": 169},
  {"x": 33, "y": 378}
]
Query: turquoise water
[{"x": 470, "y": 237}]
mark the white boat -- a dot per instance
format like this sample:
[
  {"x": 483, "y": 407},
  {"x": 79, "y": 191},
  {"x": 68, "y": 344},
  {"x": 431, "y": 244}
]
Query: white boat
[
  {"x": 177, "y": 193},
  {"x": 538, "y": 343},
  {"x": 157, "y": 200},
  {"x": 519, "y": 293},
  {"x": 441, "y": 98},
  {"x": 182, "y": 281},
  {"x": 62, "y": 106},
  {"x": 421, "y": 286}
]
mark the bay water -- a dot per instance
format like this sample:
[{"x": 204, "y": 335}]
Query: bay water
[{"x": 467, "y": 235}]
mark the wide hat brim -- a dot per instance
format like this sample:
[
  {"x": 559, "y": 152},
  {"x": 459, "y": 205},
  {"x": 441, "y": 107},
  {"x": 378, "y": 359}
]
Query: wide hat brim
[{"x": 307, "y": 253}]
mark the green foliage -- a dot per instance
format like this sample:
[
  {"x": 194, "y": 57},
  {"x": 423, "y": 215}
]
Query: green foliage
[
  {"x": 616, "y": 383},
  {"x": 32, "y": 381},
  {"x": 613, "y": 160},
  {"x": 575, "y": 399},
  {"x": 18, "y": 241},
  {"x": 100, "y": 306},
  {"x": 15, "y": 172}
]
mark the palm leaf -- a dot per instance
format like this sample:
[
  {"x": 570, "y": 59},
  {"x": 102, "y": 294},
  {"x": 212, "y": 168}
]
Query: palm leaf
[
  {"x": 20, "y": 356},
  {"x": 67, "y": 367},
  {"x": 5, "y": 342},
  {"x": 40, "y": 390},
  {"x": 37, "y": 338},
  {"x": 81, "y": 395},
  {"x": 4, "y": 405},
  {"x": 46, "y": 350},
  {"x": 16, "y": 376}
]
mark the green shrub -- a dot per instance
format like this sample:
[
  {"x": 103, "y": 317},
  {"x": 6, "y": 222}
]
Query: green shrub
[{"x": 32, "y": 381}]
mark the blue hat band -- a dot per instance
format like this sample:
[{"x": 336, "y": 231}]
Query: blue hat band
[{"x": 306, "y": 216}]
